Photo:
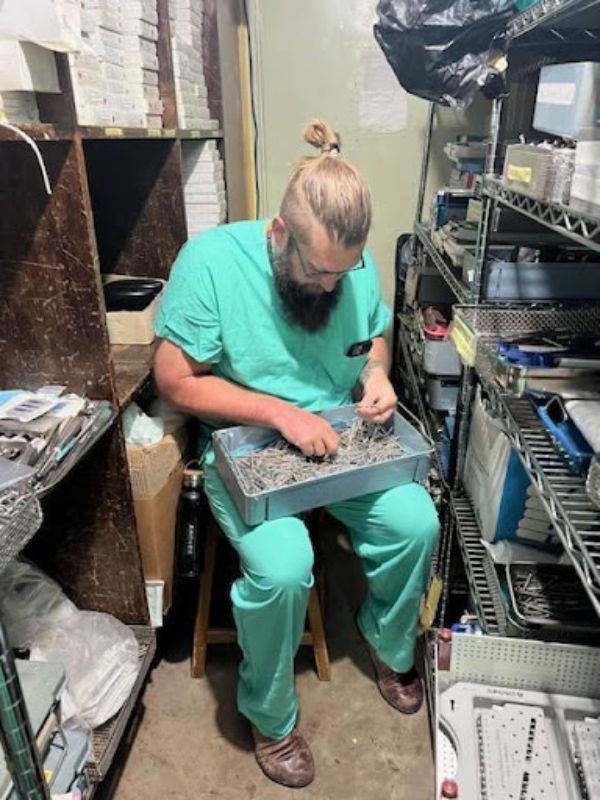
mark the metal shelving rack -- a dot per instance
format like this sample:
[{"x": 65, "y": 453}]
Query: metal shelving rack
[
  {"x": 484, "y": 587},
  {"x": 542, "y": 13},
  {"x": 563, "y": 494},
  {"x": 577, "y": 225},
  {"x": 461, "y": 290}
]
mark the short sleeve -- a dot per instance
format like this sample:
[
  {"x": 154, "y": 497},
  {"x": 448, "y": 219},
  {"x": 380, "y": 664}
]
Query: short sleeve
[
  {"x": 379, "y": 313},
  {"x": 188, "y": 314}
]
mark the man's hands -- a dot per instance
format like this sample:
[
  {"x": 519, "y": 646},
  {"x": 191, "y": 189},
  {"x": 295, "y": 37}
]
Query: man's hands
[
  {"x": 308, "y": 432},
  {"x": 379, "y": 399}
]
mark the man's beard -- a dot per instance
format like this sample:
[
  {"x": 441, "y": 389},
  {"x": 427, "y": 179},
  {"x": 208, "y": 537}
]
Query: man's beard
[{"x": 305, "y": 306}]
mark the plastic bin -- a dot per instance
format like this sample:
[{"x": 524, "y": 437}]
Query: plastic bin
[
  {"x": 437, "y": 356},
  {"x": 567, "y": 98},
  {"x": 577, "y": 451},
  {"x": 442, "y": 394}
]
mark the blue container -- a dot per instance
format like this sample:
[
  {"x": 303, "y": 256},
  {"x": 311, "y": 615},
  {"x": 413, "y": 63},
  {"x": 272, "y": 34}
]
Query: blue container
[{"x": 576, "y": 450}]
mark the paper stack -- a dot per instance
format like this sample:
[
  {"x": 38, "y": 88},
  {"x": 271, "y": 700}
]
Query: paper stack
[
  {"x": 115, "y": 77},
  {"x": 203, "y": 186},
  {"x": 19, "y": 107},
  {"x": 190, "y": 86},
  {"x": 140, "y": 25}
]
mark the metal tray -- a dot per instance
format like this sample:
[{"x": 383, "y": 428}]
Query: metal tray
[
  {"x": 477, "y": 329},
  {"x": 289, "y": 500},
  {"x": 521, "y": 665},
  {"x": 558, "y": 601}
]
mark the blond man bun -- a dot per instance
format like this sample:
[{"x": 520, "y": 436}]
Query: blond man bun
[
  {"x": 330, "y": 191},
  {"x": 322, "y": 135}
]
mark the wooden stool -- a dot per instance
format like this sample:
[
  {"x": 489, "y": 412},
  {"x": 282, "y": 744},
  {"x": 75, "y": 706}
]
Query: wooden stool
[{"x": 205, "y": 635}]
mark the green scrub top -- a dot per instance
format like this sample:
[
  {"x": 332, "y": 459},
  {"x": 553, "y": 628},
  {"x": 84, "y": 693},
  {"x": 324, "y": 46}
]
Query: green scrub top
[{"x": 221, "y": 307}]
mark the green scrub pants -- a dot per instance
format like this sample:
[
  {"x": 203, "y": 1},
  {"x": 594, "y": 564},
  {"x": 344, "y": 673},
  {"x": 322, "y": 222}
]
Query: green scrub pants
[{"x": 392, "y": 532}]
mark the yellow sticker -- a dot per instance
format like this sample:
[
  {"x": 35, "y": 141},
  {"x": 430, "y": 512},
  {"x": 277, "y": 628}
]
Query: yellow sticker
[
  {"x": 169, "y": 132},
  {"x": 48, "y": 773},
  {"x": 522, "y": 174},
  {"x": 430, "y": 605},
  {"x": 154, "y": 132},
  {"x": 194, "y": 134},
  {"x": 464, "y": 340},
  {"x": 113, "y": 131}
]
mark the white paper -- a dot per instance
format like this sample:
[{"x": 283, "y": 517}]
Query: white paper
[
  {"x": 556, "y": 94},
  {"x": 382, "y": 101}
]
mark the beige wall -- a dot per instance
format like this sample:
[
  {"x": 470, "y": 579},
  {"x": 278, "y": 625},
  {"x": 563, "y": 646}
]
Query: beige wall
[{"x": 310, "y": 61}]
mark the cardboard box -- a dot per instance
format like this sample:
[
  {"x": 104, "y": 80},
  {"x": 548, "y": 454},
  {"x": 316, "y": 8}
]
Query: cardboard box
[
  {"x": 155, "y": 517},
  {"x": 131, "y": 327},
  {"x": 151, "y": 464},
  {"x": 156, "y": 472}
]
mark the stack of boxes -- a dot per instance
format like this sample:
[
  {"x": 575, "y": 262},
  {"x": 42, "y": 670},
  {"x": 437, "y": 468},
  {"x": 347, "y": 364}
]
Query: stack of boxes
[
  {"x": 115, "y": 77},
  {"x": 190, "y": 86},
  {"x": 19, "y": 107},
  {"x": 203, "y": 186},
  {"x": 140, "y": 26}
]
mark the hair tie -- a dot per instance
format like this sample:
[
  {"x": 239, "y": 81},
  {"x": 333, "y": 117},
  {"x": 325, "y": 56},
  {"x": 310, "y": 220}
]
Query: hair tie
[{"x": 332, "y": 148}]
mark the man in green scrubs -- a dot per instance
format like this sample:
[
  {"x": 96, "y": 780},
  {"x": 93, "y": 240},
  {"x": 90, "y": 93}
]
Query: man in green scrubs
[{"x": 265, "y": 323}]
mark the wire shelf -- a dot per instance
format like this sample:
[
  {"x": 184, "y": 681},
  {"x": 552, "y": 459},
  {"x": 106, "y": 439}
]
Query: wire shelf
[
  {"x": 487, "y": 325},
  {"x": 541, "y": 13},
  {"x": 480, "y": 571},
  {"x": 579, "y": 226},
  {"x": 106, "y": 738},
  {"x": 461, "y": 291},
  {"x": 564, "y": 496}
]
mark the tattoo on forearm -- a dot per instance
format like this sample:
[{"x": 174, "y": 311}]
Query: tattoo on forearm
[{"x": 371, "y": 365}]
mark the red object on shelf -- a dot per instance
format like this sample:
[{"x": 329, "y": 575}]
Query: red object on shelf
[
  {"x": 435, "y": 323},
  {"x": 449, "y": 788},
  {"x": 444, "y": 649}
]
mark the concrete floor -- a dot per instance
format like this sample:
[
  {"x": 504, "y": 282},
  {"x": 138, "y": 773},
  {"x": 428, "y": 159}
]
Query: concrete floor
[{"x": 192, "y": 743}]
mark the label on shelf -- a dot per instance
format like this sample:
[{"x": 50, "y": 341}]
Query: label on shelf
[
  {"x": 153, "y": 133},
  {"x": 113, "y": 131},
  {"x": 515, "y": 173},
  {"x": 464, "y": 340},
  {"x": 169, "y": 132},
  {"x": 430, "y": 605}
]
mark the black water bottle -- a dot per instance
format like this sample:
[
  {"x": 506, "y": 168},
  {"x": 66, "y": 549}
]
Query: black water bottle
[{"x": 191, "y": 519}]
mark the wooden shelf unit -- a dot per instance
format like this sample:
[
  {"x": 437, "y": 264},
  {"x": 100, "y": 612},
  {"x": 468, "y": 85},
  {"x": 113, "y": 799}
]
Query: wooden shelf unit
[{"x": 117, "y": 207}]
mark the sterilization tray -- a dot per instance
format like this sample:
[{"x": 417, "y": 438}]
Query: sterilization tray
[
  {"x": 514, "y": 682},
  {"x": 515, "y": 743},
  {"x": 274, "y": 503}
]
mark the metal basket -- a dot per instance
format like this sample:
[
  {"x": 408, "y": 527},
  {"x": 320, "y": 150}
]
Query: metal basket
[
  {"x": 477, "y": 329},
  {"x": 20, "y": 519}
]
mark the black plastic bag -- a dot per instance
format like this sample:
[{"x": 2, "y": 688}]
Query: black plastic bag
[{"x": 439, "y": 49}]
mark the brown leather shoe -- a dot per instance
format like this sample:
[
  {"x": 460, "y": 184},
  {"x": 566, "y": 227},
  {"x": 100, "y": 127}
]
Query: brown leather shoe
[
  {"x": 402, "y": 690},
  {"x": 287, "y": 761}
]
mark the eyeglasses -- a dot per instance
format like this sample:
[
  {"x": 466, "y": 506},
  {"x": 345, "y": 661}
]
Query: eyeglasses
[{"x": 311, "y": 272}]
